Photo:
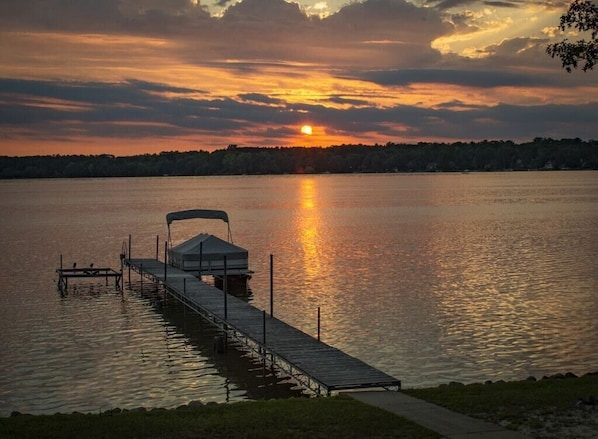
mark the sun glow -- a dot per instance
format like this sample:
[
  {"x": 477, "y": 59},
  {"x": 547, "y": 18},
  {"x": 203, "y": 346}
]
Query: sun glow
[{"x": 306, "y": 129}]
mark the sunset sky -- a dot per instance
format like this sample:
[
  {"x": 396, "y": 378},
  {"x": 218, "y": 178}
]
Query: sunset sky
[{"x": 129, "y": 77}]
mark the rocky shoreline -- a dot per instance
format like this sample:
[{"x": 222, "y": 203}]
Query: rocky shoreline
[
  {"x": 580, "y": 421},
  {"x": 192, "y": 405}
]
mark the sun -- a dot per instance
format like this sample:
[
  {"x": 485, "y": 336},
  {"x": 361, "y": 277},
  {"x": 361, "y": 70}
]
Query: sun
[{"x": 306, "y": 129}]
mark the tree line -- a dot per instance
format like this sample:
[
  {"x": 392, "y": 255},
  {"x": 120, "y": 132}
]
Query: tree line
[{"x": 541, "y": 153}]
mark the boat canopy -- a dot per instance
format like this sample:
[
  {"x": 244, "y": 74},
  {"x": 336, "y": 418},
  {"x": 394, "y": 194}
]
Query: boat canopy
[
  {"x": 206, "y": 253},
  {"x": 198, "y": 213}
]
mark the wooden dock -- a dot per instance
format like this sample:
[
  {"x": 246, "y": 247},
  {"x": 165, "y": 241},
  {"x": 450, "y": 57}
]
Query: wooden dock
[{"x": 317, "y": 366}]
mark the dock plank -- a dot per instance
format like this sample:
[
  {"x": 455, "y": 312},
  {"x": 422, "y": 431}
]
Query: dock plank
[{"x": 330, "y": 367}]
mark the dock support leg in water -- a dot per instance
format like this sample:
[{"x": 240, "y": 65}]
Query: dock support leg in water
[
  {"x": 318, "y": 323},
  {"x": 271, "y": 285}
]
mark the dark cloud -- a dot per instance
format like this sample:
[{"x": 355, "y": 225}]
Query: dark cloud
[
  {"x": 452, "y": 4},
  {"x": 134, "y": 110},
  {"x": 524, "y": 54},
  {"x": 447, "y": 4},
  {"x": 521, "y": 122},
  {"x": 503, "y": 4},
  {"x": 130, "y": 109},
  {"x": 253, "y": 33},
  {"x": 466, "y": 78},
  {"x": 378, "y": 33},
  {"x": 259, "y": 97},
  {"x": 275, "y": 13},
  {"x": 132, "y": 92},
  {"x": 152, "y": 86},
  {"x": 393, "y": 20},
  {"x": 111, "y": 16},
  {"x": 476, "y": 123},
  {"x": 345, "y": 101}
]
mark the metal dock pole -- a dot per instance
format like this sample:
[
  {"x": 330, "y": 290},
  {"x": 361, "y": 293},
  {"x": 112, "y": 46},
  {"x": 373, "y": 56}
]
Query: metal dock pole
[
  {"x": 165, "y": 258},
  {"x": 318, "y": 323},
  {"x": 225, "y": 291},
  {"x": 271, "y": 285}
]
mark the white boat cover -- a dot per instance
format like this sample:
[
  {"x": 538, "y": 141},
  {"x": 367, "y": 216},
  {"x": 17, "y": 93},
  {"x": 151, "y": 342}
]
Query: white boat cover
[{"x": 186, "y": 256}]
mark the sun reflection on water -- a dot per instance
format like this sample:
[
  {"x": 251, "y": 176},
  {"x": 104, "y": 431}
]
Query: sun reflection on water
[
  {"x": 307, "y": 223},
  {"x": 317, "y": 236}
]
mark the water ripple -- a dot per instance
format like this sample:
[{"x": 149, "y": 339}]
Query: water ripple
[{"x": 431, "y": 278}]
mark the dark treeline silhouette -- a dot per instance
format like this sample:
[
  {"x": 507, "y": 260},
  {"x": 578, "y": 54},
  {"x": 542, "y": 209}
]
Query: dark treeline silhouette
[{"x": 541, "y": 153}]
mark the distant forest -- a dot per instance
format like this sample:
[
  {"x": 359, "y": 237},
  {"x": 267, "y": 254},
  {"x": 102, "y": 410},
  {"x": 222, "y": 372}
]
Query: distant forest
[{"x": 541, "y": 153}]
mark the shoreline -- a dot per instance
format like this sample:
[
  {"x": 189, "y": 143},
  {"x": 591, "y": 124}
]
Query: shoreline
[
  {"x": 560, "y": 406},
  {"x": 196, "y": 404}
]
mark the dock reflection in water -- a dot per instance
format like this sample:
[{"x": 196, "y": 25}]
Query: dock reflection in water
[{"x": 245, "y": 374}]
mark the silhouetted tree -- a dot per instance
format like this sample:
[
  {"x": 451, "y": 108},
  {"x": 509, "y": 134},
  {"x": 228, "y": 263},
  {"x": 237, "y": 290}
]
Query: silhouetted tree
[
  {"x": 583, "y": 16},
  {"x": 541, "y": 153}
]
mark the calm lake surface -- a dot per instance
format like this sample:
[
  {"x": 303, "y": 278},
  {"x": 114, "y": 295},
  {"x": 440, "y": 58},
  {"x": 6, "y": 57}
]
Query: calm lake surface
[{"x": 431, "y": 278}]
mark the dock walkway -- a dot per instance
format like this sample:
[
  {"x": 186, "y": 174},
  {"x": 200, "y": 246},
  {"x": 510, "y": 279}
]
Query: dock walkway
[
  {"x": 314, "y": 364},
  {"x": 449, "y": 424}
]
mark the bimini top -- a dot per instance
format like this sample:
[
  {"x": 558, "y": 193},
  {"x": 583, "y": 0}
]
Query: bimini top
[{"x": 198, "y": 213}]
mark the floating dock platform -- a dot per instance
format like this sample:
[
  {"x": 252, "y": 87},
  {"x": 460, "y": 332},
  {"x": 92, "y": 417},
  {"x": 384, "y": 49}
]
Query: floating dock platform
[
  {"x": 64, "y": 274},
  {"x": 315, "y": 365}
]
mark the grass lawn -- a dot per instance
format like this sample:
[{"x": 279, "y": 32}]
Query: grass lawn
[
  {"x": 335, "y": 417},
  {"x": 515, "y": 404}
]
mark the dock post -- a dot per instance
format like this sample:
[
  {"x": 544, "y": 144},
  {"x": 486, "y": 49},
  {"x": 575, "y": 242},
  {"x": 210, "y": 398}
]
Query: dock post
[
  {"x": 271, "y": 285},
  {"x": 60, "y": 275},
  {"x": 129, "y": 259},
  {"x": 318, "y": 323},
  {"x": 141, "y": 276},
  {"x": 200, "y": 258},
  {"x": 121, "y": 280},
  {"x": 225, "y": 291},
  {"x": 157, "y": 245},
  {"x": 264, "y": 330},
  {"x": 165, "y": 258}
]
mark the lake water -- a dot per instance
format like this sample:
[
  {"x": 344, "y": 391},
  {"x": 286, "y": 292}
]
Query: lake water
[{"x": 431, "y": 278}]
